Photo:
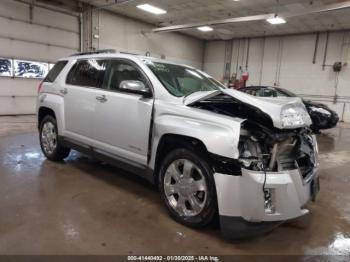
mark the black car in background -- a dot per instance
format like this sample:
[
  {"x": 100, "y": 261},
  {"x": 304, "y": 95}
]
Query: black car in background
[{"x": 322, "y": 116}]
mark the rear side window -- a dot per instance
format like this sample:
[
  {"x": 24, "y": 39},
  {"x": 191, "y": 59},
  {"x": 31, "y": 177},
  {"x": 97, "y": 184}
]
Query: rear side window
[
  {"x": 55, "y": 71},
  {"x": 89, "y": 73}
]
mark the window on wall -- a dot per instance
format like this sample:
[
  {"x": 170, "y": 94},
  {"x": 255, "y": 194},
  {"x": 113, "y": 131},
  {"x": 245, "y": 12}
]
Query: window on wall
[
  {"x": 6, "y": 67},
  {"x": 30, "y": 69}
]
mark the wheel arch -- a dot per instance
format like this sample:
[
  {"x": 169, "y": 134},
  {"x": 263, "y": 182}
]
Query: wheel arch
[
  {"x": 53, "y": 105},
  {"x": 170, "y": 142},
  {"x": 44, "y": 111}
]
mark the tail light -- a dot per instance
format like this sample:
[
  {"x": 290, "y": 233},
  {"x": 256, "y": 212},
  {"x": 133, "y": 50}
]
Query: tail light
[{"x": 40, "y": 86}]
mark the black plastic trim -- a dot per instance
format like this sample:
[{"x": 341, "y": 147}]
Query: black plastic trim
[
  {"x": 235, "y": 228},
  {"x": 127, "y": 165},
  {"x": 224, "y": 165}
]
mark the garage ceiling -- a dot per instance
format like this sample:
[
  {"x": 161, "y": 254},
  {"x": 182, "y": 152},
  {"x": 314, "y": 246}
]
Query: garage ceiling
[{"x": 184, "y": 11}]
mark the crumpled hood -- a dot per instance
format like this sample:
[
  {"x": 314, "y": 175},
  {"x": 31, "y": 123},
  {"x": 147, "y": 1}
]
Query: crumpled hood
[{"x": 271, "y": 106}]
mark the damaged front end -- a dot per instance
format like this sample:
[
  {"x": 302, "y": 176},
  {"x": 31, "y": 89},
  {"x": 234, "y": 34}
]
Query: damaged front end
[
  {"x": 262, "y": 149},
  {"x": 278, "y": 161}
]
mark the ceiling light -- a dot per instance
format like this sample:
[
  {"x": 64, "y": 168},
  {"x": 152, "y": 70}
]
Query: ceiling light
[
  {"x": 151, "y": 9},
  {"x": 276, "y": 20},
  {"x": 205, "y": 28}
]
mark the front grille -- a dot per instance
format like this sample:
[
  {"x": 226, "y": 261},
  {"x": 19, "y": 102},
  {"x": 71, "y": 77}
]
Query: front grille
[
  {"x": 286, "y": 163},
  {"x": 304, "y": 160}
]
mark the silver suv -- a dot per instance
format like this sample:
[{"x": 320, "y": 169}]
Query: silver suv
[{"x": 211, "y": 151}]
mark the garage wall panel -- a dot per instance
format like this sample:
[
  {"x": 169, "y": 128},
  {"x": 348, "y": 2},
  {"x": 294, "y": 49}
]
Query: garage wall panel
[
  {"x": 124, "y": 34},
  {"x": 255, "y": 59},
  {"x": 14, "y": 9},
  {"x": 298, "y": 73},
  {"x": 55, "y": 19},
  {"x": 26, "y": 50},
  {"x": 214, "y": 57},
  {"x": 36, "y": 33},
  {"x": 18, "y": 105},
  {"x": 270, "y": 62}
]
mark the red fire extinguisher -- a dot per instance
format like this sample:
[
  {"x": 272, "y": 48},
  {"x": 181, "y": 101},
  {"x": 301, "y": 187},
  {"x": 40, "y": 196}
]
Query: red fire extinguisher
[{"x": 244, "y": 76}]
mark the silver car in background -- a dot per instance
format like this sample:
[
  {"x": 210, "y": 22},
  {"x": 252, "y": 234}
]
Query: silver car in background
[{"x": 211, "y": 151}]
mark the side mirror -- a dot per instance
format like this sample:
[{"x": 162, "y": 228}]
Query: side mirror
[{"x": 134, "y": 86}]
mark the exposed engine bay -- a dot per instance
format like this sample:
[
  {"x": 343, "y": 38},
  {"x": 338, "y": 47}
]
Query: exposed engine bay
[
  {"x": 262, "y": 150},
  {"x": 263, "y": 147}
]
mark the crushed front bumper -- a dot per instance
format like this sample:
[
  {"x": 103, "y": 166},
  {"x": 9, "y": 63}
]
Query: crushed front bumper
[{"x": 241, "y": 200}]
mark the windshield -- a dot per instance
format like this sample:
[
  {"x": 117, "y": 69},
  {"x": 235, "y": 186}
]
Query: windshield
[
  {"x": 269, "y": 92},
  {"x": 286, "y": 92},
  {"x": 182, "y": 81}
]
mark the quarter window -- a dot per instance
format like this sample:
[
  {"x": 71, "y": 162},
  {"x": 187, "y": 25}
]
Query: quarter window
[
  {"x": 87, "y": 73},
  {"x": 55, "y": 71}
]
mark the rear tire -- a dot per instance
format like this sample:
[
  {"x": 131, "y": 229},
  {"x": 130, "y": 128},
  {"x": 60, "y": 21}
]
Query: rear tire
[
  {"x": 187, "y": 188},
  {"x": 49, "y": 142}
]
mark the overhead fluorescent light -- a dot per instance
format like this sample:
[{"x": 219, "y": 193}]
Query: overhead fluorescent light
[
  {"x": 276, "y": 20},
  {"x": 205, "y": 28},
  {"x": 152, "y": 9}
]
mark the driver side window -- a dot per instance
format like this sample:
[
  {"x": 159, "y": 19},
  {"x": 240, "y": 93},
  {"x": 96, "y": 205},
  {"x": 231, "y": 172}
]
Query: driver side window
[{"x": 122, "y": 71}]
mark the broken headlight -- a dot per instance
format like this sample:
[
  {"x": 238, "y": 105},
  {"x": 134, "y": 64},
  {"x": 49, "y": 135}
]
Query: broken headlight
[{"x": 295, "y": 116}]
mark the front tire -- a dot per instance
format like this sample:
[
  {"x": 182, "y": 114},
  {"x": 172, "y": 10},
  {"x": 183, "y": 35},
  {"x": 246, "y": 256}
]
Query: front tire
[
  {"x": 49, "y": 142},
  {"x": 187, "y": 188}
]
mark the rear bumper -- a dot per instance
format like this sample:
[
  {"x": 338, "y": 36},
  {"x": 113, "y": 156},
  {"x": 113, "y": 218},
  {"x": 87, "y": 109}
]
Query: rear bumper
[
  {"x": 324, "y": 122},
  {"x": 242, "y": 205}
]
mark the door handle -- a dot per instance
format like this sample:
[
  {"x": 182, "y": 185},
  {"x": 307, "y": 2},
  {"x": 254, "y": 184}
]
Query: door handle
[
  {"x": 101, "y": 98},
  {"x": 64, "y": 91}
]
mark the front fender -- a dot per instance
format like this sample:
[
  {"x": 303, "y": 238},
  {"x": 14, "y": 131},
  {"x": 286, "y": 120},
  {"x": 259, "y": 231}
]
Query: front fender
[{"x": 219, "y": 134}]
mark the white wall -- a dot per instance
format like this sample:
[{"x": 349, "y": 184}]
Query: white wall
[
  {"x": 287, "y": 62},
  {"x": 124, "y": 34},
  {"x": 51, "y": 35},
  {"x": 214, "y": 56}
]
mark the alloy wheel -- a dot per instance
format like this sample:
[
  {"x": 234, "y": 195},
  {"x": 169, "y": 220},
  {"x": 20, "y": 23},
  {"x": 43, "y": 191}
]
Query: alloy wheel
[
  {"x": 49, "y": 137},
  {"x": 185, "y": 187}
]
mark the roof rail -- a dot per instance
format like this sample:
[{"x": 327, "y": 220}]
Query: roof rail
[
  {"x": 127, "y": 53},
  {"x": 102, "y": 51}
]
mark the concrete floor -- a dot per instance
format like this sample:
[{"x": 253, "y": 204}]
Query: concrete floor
[{"x": 82, "y": 206}]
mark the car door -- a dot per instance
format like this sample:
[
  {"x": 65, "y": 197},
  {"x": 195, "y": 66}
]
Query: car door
[
  {"x": 122, "y": 120},
  {"x": 80, "y": 98}
]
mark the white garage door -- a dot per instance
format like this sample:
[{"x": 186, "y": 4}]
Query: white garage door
[{"x": 49, "y": 36}]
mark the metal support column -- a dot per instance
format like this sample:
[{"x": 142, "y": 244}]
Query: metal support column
[{"x": 228, "y": 58}]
